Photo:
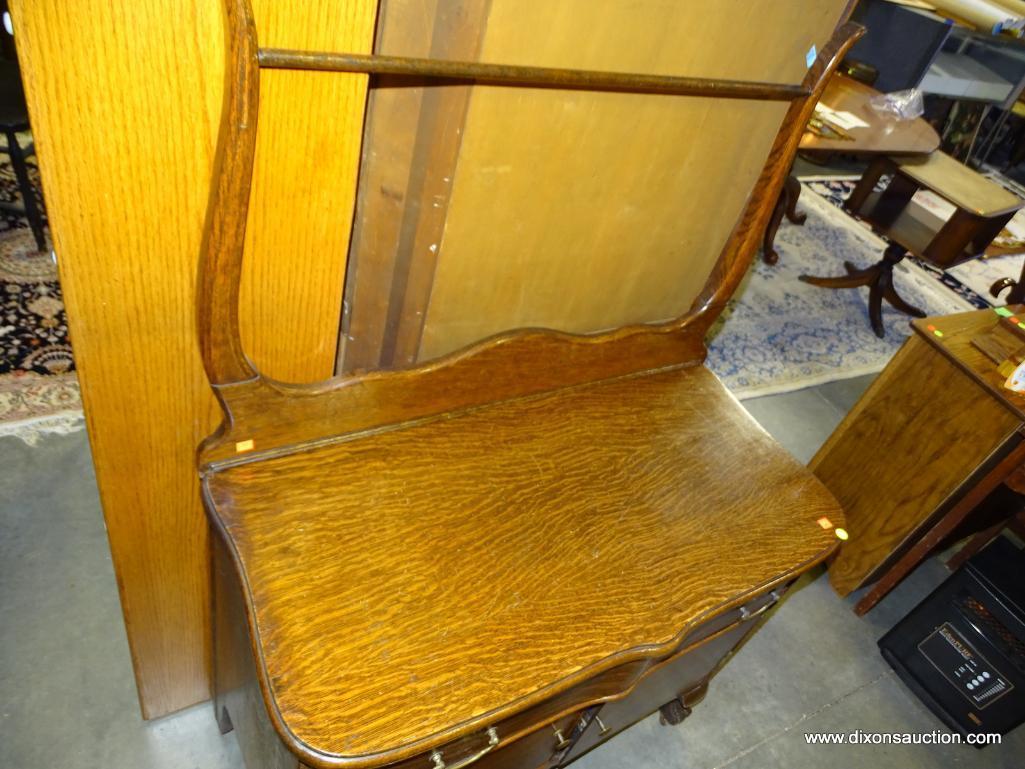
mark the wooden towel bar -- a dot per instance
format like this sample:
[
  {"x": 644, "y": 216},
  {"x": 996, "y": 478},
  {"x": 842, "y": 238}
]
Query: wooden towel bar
[{"x": 507, "y": 555}]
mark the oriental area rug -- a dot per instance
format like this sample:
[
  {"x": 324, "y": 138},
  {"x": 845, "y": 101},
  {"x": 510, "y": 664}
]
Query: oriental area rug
[{"x": 38, "y": 390}]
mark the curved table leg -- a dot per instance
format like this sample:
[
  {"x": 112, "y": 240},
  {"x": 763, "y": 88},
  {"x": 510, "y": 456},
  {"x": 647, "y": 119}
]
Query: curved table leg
[
  {"x": 786, "y": 205},
  {"x": 1017, "y": 294},
  {"x": 890, "y": 295},
  {"x": 855, "y": 277},
  {"x": 769, "y": 255},
  {"x": 792, "y": 187},
  {"x": 879, "y": 279}
]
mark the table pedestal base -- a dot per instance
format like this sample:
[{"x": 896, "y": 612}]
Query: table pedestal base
[
  {"x": 879, "y": 279},
  {"x": 1017, "y": 294}
]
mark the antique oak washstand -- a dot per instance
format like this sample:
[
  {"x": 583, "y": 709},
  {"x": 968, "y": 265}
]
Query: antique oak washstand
[{"x": 507, "y": 555}]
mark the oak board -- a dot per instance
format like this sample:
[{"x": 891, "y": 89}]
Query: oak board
[{"x": 125, "y": 100}]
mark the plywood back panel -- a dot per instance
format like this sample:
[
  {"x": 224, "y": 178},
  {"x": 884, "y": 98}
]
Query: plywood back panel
[
  {"x": 410, "y": 149},
  {"x": 586, "y": 211},
  {"x": 125, "y": 99}
]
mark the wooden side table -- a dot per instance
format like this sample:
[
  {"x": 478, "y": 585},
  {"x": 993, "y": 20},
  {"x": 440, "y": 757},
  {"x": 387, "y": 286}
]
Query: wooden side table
[
  {"x": 931, "y": 437},
  {"x": 880, "y": 135},
  {"x": 982, "y": 210}
]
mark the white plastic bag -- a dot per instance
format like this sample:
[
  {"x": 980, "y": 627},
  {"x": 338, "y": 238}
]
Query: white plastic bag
[{"x": 901, "y": 105}]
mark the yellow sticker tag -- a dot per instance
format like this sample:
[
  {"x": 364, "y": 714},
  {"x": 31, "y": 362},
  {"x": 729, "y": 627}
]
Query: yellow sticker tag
[
  {"x": 242, "y": 446},
  {"x": 841, "y": 534}
]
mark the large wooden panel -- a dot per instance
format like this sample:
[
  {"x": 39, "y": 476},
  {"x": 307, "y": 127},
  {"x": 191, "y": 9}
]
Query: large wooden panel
[
  {"x": 304, "y": 184},
  {"x": 125, "y": 99},
  {"x": 916, "y": 434},
  {"x": 585, "y": 211}
]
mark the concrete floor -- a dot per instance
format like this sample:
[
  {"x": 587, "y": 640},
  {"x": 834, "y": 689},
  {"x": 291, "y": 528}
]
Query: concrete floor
[{"x": 67, "y": 697}]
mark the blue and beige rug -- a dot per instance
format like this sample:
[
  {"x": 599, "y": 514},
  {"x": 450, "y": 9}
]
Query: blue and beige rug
[{"x": 780, "y": 334}]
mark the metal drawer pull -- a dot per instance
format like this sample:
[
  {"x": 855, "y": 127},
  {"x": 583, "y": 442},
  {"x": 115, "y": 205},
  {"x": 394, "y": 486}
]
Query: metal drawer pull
[
  {"x": 746, "y": 613},
  {"x": 439, "y": 762},
  {"x": 602, "y": 728},
  {"x": 562, "y": 743}
]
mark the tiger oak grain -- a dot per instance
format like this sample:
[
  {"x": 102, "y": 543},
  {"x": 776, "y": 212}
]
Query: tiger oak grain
[{"x": 418, "y": 579}]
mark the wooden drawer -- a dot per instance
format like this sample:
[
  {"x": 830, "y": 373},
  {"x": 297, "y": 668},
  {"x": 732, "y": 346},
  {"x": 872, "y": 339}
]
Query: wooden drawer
[{"x": 523, "y": 750}]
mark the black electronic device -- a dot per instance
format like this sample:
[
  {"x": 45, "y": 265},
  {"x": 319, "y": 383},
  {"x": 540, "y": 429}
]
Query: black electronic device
[{"x": 962, "y": 649}]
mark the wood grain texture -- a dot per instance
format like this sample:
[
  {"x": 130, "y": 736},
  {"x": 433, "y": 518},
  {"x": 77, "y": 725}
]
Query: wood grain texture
[
  {"x": 125, "y": 99},
  {"x": 935, "y": 424},
  {"x": 238, "y": 701},
  {"x": 603, "y": 200},
  {"x": 402, "y": 584},
  {"x": 304, "y": 186},
  {"x": 956, "y": 344},
  {"x": 1003, "y": 465},
  {"x": 927, "y": 537}
]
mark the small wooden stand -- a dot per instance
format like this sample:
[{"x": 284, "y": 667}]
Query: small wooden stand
[{"x": 931, "y": 438}]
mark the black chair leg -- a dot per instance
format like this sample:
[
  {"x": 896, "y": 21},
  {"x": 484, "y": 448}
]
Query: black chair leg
[{"x": 28, "y": 195}]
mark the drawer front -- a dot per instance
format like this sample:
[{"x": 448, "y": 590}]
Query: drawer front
[
  {"x": 568, "y": 726},
  {"x": 533, "y": 750},
  {"x": 537, "y": 749}
]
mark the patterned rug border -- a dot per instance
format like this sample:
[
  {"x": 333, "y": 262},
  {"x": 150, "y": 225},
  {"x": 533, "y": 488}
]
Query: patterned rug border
[
  {"x": 45, "y": 405},
  {"x": 749, "y": 393},
  {"x": 32, "y": 429}
]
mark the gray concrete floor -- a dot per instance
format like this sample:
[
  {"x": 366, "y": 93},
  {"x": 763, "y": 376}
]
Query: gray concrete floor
[{"x": 67, "y": 698}]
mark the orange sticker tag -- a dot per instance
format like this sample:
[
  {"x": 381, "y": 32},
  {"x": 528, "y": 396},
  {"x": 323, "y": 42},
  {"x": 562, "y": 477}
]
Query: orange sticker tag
[
  {"x": 825, "y": 523},
  {"x": 244, "y": 446}
]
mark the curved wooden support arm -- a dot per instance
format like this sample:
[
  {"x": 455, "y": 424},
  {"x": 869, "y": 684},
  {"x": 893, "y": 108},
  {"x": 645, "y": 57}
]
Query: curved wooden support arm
[
  {"x": 224, "y": 235},
  {"x": 736, "y": 255}
]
